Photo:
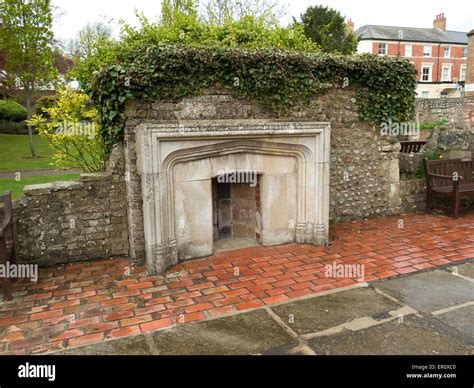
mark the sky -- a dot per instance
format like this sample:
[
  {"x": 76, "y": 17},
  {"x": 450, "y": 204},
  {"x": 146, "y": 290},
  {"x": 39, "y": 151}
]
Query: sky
[{"x": 73, "y": 15}]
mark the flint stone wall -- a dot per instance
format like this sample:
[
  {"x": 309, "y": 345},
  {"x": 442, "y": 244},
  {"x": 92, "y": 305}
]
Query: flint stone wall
[
  {"x": 364, "y": 166},
  {"x": 410, "y": 165},
  {"x": 454, "y": 110}
]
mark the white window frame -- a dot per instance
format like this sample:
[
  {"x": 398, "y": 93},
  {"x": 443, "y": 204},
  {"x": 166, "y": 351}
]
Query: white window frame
[
  {"x": 449, "y": 78},
  {"x": 425, "y": 52},
  {"x": 448, "y": 52},
  {"x": 464, "y": 52},
  {"x": 461, "y": 69},
  {"x": 385, "y": 48},
  {"x": 430, "y": 74},
  {"x": 408, "y": 52}
]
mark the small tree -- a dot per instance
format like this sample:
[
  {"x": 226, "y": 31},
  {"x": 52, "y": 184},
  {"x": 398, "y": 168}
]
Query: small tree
[
  {"x": 326, "y": 27},
  {"x": 220, "y": 11},
  {"x": 171, "y": 8},
  {"x": 88, "y": 40},
  {"x": 71, "y": 127},
  {"x": 89, "y": 51},
  {"x": 26, "y": 39}
]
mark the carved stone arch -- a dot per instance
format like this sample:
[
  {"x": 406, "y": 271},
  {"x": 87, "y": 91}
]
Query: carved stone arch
[
  {"x": 300, "y": 152},
  {"x": 164, "y": 149}
]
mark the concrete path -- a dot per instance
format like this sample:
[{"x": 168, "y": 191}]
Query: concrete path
[
  {"x": 40, "y": 172},
  {"x": 426, "y": 313}
]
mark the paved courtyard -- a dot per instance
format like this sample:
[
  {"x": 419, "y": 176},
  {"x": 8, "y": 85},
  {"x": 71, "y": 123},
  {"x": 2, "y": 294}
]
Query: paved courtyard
[
  {"x": 275, "y": 300},
  {"x": 365, "y": 319}
]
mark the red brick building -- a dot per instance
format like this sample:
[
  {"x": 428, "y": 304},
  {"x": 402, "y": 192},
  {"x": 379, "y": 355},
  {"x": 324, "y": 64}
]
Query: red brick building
[{"x": 439, "y": 55}]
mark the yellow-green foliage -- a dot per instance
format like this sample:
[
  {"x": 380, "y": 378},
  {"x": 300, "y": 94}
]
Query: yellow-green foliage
[{"x": 71, "y": 127}]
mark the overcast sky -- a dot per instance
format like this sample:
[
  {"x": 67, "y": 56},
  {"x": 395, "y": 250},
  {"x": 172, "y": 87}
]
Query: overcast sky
[{"x": 404, "y": 13}]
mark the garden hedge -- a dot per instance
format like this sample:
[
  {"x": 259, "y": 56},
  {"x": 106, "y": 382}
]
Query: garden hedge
[{"x": 12, "y": 111}]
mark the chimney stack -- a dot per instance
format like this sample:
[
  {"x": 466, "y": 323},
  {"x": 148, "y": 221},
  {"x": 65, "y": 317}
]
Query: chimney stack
[
  {"x": 440, "y": 22},
  {"x": 350, "y": 25}
]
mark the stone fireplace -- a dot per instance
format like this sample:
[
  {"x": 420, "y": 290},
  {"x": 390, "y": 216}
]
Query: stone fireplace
[
  {"x": 236, "y": 206},
  {"x": 207, "y": 180}
]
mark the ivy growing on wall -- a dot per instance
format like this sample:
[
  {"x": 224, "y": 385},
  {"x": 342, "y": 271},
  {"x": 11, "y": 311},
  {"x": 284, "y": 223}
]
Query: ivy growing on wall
[{"x": 277, "y": 80}]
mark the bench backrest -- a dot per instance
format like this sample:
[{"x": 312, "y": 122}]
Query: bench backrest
[
  {"x": 6, "y": 200},
  {"x": 448, "y": 167},
  {"x": 408, "y": 147}
]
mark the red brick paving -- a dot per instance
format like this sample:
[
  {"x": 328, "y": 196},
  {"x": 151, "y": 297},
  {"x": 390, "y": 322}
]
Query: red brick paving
[{"x": 88, "y": 302}]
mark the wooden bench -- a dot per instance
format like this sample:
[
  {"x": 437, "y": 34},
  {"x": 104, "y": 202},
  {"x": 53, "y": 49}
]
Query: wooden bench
[
  {"x": 408, "y": 147},
  {"x": 448, "y": 178},
  {"x": 7, "y": 248}
]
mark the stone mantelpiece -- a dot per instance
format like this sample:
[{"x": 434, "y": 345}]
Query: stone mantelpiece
[{"x": 177, "y": 160}]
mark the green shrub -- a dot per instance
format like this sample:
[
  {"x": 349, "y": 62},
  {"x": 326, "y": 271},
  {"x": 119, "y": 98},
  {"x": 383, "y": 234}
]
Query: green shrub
[
  {"x": 13, "y": 128},
  {"x": 44, "y": 103},
  {"x": 433, "y": 125},
  {"x": 12, "y": 111},
  {"x": 71, "y": 127}
]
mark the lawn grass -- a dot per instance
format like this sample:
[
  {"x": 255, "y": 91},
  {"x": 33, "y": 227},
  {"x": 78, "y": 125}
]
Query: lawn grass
[
  {"x": 16, "y": 187},
  {"x": 15, "y": 153}
]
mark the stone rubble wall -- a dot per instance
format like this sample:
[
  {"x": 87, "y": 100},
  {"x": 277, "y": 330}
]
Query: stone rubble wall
[
  {"x": 453, "y": 110},
  {"x": 452, "y": 143},
  {"x": 364, "y": 165},
  {"x": 410, "y": 165},
  {"x": 413, "y": 195},
  {"x": 76, "y": 220},
  {"x": 459, "y": 114}
]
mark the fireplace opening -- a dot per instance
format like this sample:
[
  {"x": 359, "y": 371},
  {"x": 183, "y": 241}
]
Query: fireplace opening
[{"x": 236, "y": 210}]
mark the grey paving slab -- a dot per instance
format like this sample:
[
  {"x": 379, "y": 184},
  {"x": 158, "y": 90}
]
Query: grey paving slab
[
  {"x": 249, "y": 333},
  {"x": 466, "y": 269},
  {"x": 415, "y": 336},
  {"x": 133, "y": 346},
  {"x": 289, "y": 349},
  {"x": 461, "y": 319},
  {"x": 429, "y": 291},
  {"x": 324, "y": 312}
]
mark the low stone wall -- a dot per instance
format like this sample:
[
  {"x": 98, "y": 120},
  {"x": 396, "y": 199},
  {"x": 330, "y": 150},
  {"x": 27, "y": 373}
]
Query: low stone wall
[
  {"x": 453, "y": 110},
  {"x": 71, "y": 221},
  {"x": 451, "y": 143},
  {"x": 410, "y": 165},
  {"x": 413, "y": 195}
]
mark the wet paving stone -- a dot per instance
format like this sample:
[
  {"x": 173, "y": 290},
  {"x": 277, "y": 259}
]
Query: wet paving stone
[
  {"x": 415, "y": 336},
  {"x": 324, "y": 312},
  {"x": 249, "y": 333},
  {"x": 466, "y": 269},
  {"x": 133, "y": 346},
  {"x": 429, "y": 291},
  {"x": 462, "y": 320}
]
